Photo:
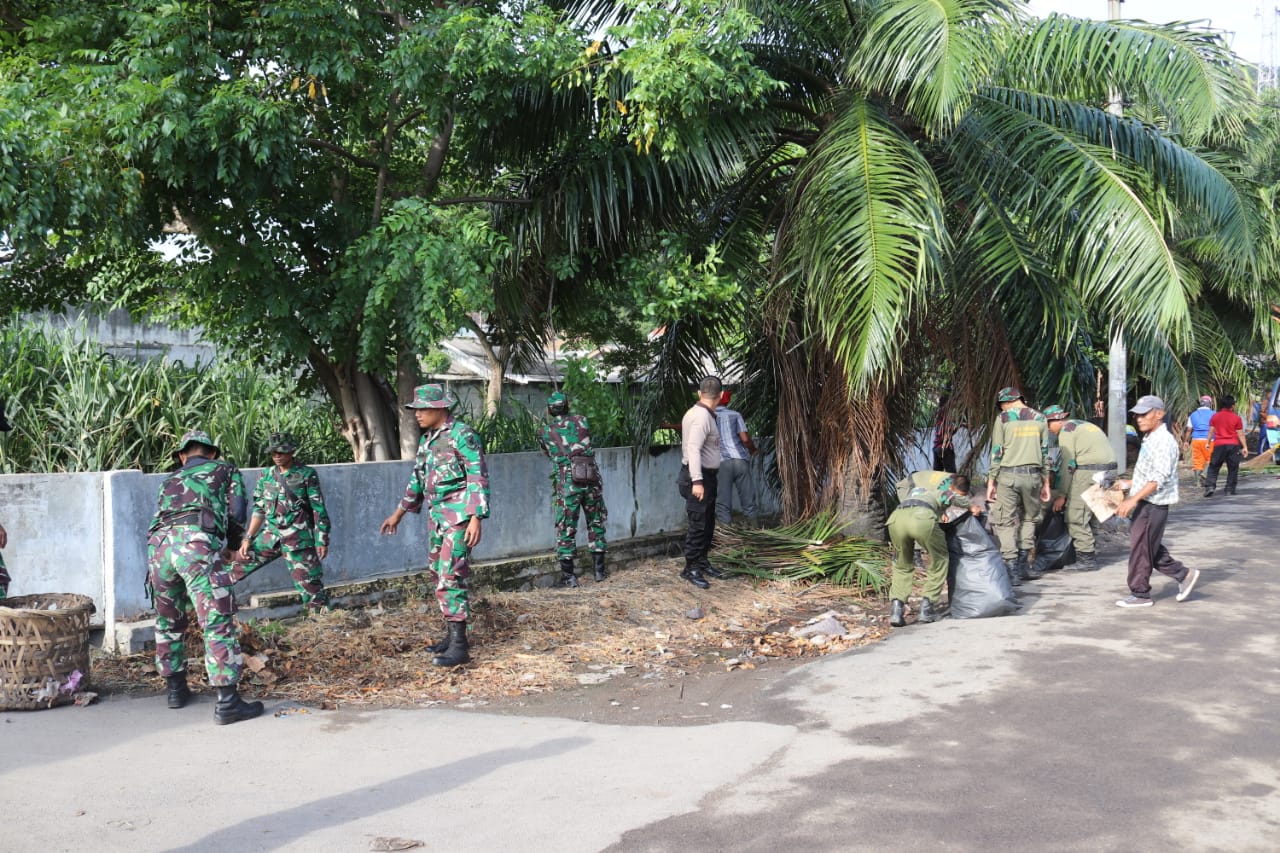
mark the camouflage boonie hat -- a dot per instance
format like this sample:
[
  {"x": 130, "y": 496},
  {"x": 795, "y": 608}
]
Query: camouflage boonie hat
[
  {"x": 195, "y": 436},
  {"x": 1008, "y": 394},
  {"x": 282, "y": 442},
  {"x": 1056, "y": 413},
  {"x": 432, "y": 396},
  {"x": 557, "y": 402}
]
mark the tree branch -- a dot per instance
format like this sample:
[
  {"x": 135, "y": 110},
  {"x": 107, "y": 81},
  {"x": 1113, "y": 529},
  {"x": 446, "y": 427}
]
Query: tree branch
[
  {"x": 482, "y": 199},
  {"x": 341, "y": 152}
]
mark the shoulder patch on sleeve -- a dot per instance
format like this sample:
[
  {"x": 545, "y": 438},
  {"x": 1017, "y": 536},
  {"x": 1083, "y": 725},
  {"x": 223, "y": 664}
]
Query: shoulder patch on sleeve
[{"x": 1069, "y": 426}]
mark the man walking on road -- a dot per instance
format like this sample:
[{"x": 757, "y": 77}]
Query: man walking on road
[
  {"x": 1018, "y": 482},
  {"x": 736, "y": 450},
  {"x": 1153, "y": 489},
  {"x": 699, "y": 468},
  {"x": 1229, "y": 446},
  {"x": 1197, "y": 436}
]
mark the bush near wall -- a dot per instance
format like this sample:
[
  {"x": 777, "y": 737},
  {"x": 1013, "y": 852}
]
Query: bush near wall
[{"x": 74, "y": 407}]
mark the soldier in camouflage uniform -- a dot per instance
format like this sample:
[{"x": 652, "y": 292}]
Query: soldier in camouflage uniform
[
  {"x": 564, "y": 438},
  {"x": 1018, "y": 481},
  {"x": 289, "y": 511},
  {"x": 450, "y": 476},
  {"x": 4, "y": 535},
  {"x": 917, "y": 520},
  {"x": 200, "y": 512},
  {"x": 1084, "y": 450}
]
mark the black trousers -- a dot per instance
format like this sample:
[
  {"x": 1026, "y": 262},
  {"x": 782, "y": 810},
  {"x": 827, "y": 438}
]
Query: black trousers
[
  {"x": 1147, "y": 551},
  {"x": 702, "y": 514},
  {"x": 1229, "y": 453}
]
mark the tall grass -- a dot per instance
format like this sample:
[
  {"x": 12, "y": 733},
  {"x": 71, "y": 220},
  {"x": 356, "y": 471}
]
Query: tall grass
[{"x": 75, "y": 407}]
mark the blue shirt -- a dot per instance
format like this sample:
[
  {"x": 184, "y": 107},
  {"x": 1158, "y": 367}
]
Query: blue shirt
[
  {"x": 1198, "y": 422},
  {"x": 730, "y": 424}
]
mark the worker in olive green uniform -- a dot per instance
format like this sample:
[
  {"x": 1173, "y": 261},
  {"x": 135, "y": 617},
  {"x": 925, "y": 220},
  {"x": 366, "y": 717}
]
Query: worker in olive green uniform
[
  {"x": 1085, "y": 450},
  {"x": 1018, "y": 482},
  {"x": 934, "y": 480},
  {"x": 917, "y": 520}
]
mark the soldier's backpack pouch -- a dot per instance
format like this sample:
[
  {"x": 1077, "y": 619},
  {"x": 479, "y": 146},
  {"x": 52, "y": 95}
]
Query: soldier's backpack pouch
[
  {"x": 978, "y": 582},
  {"x": 1054, "y": 548},
  {"x": 584, "y": 471}
]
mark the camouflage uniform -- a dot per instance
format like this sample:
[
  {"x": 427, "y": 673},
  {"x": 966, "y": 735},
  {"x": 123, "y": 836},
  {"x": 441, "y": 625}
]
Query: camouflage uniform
[
  {"x": 1019, "y": 466},
  {"x": 564, "y": 437},
  {"x": 916, "y": 520},
  {"x": 295, "y": 523},
  {"x": 198, "y": 505},
  {"x": 450, "y": 475}
]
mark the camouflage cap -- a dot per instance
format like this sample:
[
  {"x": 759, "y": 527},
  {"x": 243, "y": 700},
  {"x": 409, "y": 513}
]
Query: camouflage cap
[
  {"x": 557, "y": 403},
  {"x": 1056, "y": 413},
  {"x": 432, "y": 396},
  {"x": 1008, "y": 394},
  {"x": 282, "y": 442},
  {"x": 194, "y": 436}
]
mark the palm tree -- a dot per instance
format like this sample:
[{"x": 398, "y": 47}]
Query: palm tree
[{"x": 944, "y": 190}]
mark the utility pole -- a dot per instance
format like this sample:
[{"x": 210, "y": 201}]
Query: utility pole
[{"x": 1118, "y": 359}]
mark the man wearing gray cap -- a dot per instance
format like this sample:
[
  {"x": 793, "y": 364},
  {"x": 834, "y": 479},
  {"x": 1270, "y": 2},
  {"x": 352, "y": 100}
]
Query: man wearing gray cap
[{"x": 1153, "y": 489}]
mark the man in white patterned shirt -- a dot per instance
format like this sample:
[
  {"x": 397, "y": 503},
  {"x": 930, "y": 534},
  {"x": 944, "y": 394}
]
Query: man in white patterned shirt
[{"x": 1153, "y": 489}]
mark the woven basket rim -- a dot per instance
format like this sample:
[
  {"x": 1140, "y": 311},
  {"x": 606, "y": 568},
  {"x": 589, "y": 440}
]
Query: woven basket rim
[{"x": 69, "y": 603}]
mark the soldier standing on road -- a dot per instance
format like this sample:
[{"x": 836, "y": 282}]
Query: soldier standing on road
[
  {"x": 577, "y": 485},
  {"x": 289, "y": 513},
  {"x": 917, "y": 520},
  {"x": 450, "y": 476},
  {"x": 700, "y": 462},
  {"x": 1018, "y": 481},
  {"x": 1083, "y": 448},
  {"x": 200, "y": 512},
  {"x": 4, "y": 535}
]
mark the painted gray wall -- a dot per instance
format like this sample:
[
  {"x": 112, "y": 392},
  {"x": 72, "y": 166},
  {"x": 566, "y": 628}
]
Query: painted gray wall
[{"x": 86, "y": 533}]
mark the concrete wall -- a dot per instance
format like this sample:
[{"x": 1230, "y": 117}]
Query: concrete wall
[{"x": 86, "y": 533}]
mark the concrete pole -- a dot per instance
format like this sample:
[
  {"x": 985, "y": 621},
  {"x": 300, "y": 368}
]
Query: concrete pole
[{"x": 1118, "y": 359}]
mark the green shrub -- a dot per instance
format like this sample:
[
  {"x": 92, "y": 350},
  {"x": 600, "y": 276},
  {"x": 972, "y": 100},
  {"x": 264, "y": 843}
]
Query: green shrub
[{"x": 75, "y": 407}]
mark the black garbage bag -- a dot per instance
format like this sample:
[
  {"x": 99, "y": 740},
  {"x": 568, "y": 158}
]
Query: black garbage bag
[
  {"x": 978, "y": 583},
  {"x": 1054, "y": 548}
]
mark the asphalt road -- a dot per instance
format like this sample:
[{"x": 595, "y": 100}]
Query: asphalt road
[{"x": 1073, "y": 726}]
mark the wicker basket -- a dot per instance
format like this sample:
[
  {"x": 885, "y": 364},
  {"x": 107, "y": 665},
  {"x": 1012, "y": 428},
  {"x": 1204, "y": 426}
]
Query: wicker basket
[{"x": 44, "y": 639}]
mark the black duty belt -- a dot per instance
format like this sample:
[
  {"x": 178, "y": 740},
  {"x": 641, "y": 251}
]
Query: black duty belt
[
  {"x": 192, "y": 517},
  {"x": 906, "y": 504},
  {"x": 1022, "y": 469},
  {"x": 1101, "y": 466}
]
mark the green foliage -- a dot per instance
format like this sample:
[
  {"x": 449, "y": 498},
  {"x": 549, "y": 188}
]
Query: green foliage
[
  {"x": 812, "y": 550},
  {"x": 76, "y": 408},
  {"x": 603, "y": 404},
  {"x": 508, "y": 431}
]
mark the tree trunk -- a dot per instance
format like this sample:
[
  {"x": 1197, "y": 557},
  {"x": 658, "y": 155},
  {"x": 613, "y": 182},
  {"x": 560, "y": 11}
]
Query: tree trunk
[
  {"x": 368, "y": 424},
  {"x": 497, "y": 358},
  {"x": 406, "y": 380}
]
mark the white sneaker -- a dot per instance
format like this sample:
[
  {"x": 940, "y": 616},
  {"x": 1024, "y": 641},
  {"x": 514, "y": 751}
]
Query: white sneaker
[
  {"x": 1134, "y": 601},
  {"x": 1188, "y": 583}
]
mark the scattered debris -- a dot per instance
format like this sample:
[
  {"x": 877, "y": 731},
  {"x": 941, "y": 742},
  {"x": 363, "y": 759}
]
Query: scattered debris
[
  {"x": 643, "y": 623},
  {"x": 84, "y": 697},
  {"x": 394, "y": 843}
]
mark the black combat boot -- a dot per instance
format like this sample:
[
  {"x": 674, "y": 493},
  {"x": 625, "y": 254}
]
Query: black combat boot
[
  {"x": 1015, "y": 576},
  {"x": 1030, "y": 570},
  {"x": 1086, "y": 562},
  {"x": 597, "y": 565},
  {"x": 1023, "y": 565},
  {"x": 567, "y": 576},
  {"x": 929, "y": 612},
  {"x": 440, "y": 647},
  {"x": 179, "y": 692},
  {"x": 694, "y": 576},
  {"x": 897, "y": 613},
  {"x": 456, "y": 654},
  {"x": 232, "y": 709},
  {"x": 704, "y": 566}
]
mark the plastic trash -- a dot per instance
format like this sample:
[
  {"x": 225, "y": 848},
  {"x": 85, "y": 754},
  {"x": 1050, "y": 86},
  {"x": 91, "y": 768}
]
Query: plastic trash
[
  {"x": 976, "y": 577},
  {"x": 1054, "y": 548}
]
